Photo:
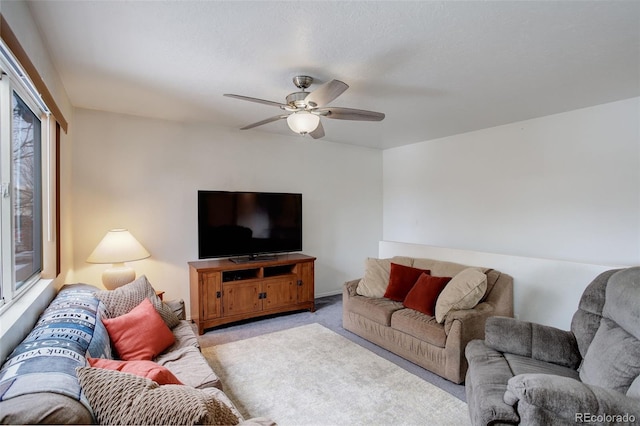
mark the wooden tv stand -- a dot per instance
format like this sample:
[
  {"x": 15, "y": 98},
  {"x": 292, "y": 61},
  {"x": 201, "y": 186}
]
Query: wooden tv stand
[{"x": 223, "y": 291}]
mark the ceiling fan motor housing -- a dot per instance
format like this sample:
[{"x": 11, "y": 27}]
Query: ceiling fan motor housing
[{"x": 296, "y": 99}]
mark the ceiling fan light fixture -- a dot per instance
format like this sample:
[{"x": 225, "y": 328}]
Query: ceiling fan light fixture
[
  {"x": 303, "y": 109},
  {"x": 303, "y": 122}
]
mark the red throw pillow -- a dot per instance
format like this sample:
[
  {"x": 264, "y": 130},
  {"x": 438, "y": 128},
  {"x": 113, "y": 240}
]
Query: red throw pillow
[
  {"x": 401, "y": 280},
  {"x": 149, "y": 369},
  {"x": 139, "y": 334},
  {"x": 424, "y": 294}
]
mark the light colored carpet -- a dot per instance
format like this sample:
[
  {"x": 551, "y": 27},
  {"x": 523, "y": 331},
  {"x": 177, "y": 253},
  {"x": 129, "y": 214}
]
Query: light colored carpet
[{"x": 309, "y": 375}]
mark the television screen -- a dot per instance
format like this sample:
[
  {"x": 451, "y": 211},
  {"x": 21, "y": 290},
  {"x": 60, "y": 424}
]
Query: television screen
[{"x": 248, "y": 223}]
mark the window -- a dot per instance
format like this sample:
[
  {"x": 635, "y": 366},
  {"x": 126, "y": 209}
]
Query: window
[
  {"x": 27, "y": 192},
  {"x": 23, "y": 146}
]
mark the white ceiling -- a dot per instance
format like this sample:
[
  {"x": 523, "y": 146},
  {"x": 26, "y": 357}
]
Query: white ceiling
[{"x": 434, "y": 68}]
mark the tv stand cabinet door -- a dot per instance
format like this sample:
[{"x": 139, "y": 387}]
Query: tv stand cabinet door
[
  {"x": 306, "y": 287},
  {"x": 211, "y": 295},
  {"x": 241, "y": 298},
  {"x": 280, "y": 293}
]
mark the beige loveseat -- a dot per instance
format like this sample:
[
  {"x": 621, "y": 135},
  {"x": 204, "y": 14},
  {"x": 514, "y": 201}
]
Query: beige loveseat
[
  {"x": 48, "y": 378},
  {"x": 415, "y": 336}
]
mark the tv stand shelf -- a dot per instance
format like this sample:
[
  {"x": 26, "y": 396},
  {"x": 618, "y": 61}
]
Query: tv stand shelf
[{"x": 223, "y": 291}]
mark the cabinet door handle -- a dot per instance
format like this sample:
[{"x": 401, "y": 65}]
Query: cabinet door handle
[
  {"x": 300, "y": 283},
  {"x": 218, "y": 295}
]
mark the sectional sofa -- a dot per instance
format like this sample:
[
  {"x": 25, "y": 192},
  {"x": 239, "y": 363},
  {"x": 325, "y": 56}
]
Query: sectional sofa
[{"x": 65, "y": 371}]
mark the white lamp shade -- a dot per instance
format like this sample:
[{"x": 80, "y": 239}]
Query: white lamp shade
[
  {"x": 116, "y": 247},
  {"x": 303, "y": 122}
]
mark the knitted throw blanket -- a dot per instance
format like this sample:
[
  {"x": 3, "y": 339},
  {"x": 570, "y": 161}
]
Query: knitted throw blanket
[{"x": 46, "y": 360}]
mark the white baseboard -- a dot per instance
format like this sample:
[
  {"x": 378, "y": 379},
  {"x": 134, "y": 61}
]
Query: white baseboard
[{"x": 328, "y": 293}]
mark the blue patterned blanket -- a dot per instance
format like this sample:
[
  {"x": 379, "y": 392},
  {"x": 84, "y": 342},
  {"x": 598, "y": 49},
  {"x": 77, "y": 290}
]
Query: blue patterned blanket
[{"x": 68, "y": 331}]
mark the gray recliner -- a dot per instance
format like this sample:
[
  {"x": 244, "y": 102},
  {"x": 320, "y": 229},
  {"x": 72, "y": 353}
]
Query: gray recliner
[{"x": 539, "y": 375}]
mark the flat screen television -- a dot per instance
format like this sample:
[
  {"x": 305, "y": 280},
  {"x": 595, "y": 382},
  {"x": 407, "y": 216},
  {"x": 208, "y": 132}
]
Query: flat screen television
[{"x": 248, "y": 224}]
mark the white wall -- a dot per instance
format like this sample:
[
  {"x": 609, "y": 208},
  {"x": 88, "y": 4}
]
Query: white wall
[
  {"x": 143, "y": 174},
  {"x": 565, "y": 186}
]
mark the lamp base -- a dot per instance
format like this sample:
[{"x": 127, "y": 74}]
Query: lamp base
[{"x": 118, "y": 275}]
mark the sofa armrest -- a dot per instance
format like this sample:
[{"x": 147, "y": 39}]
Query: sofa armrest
[
  {"x": 478, "y": 313},
  {"x": 461, "y": 327},
  {"x": 351, "y": 286},
  {"x": 177, "y": 306},
  {"x": 542, "y": 395},
  {"x": 533, "y": 340}
]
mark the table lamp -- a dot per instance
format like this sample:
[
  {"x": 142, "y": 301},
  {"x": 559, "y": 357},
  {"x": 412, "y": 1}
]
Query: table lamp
[{"x": 117, "y": 247}]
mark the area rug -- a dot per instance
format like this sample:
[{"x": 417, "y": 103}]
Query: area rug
[{"x": 310, "y": 375}]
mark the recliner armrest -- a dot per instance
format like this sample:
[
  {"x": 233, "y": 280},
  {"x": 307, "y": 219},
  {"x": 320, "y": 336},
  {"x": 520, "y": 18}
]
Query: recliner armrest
[
  {"x": 568, "y": 399},
  {"x": 536, "y": 341}
]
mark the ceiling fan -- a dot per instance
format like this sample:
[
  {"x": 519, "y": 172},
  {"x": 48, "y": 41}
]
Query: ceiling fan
[{"x": 304, "y": 109}]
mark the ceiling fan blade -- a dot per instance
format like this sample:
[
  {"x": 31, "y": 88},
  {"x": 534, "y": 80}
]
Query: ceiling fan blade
[
  {"x": 265, "y": 121},
  {"x": 318, "y": 132},
  {"x": 260, "y": 101},
  {"x": 325, "y": 93},
  {"x": 350, "y": 114}
]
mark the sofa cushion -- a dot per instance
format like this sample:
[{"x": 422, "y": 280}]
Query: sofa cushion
[
  {"x": 421, "y": 326},
  {"x": 612, "y": 360},
  {"x": 184, "y": 335},
  {"x": 586, "y": 320},
  {"x": 125, "y": 298},
  {"x": 375, "y": 309},
  {"x": 464, "y": 291},
  {"x": 44, "y": 408},
  {"x": 190, "y": 367},
  {"x": 622, "y": 296},
  {"x": 122, "y": 398},
  {"x": 376, "y": 275},
  {"x": 142, "y": 368},
  {"x": 424, "y": 293},
  {"x": 492, "y": 278},
  {"x": 140, "y": 334},
  {"x": 401, "y": 281}
]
